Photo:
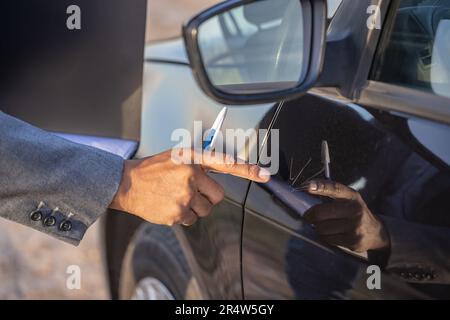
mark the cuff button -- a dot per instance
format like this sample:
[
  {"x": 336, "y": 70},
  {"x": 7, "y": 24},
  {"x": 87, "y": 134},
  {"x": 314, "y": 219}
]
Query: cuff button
[
  {"x": 49, "y": 221},
  {"x": 36, "y": 216},
  {"x": 65, "y": 226}
]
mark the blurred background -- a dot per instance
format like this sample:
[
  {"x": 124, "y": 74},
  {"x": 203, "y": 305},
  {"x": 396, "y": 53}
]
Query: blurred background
[
  {"x": 165, "y": 17},
  {"x": 33, "y": 265}
]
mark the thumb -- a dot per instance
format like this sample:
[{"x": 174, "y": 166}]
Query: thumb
[{"x": 330, "y": 189}]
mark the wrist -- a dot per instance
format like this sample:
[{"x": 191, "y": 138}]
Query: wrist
[{"x": 120, "y": 198}]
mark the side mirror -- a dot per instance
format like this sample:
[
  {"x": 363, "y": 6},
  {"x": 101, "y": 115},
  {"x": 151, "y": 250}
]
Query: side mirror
[{"x": 257, "y": 51}]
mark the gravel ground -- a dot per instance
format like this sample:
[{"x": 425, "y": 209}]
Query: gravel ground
[{"x": 33, "y": 265}]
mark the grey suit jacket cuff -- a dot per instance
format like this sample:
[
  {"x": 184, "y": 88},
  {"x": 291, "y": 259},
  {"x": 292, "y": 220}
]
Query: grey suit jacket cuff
[
  {"x": 419, "y": 253},
  {"x": 53, "y": 185}
]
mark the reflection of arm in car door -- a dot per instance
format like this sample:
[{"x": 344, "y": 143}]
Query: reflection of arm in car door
[{"x": 416, "y": 252}]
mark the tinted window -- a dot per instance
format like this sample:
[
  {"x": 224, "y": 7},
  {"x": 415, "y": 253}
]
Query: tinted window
[
  {"x": 415, "y": 52},
  {"x": 333, "y": 5}
]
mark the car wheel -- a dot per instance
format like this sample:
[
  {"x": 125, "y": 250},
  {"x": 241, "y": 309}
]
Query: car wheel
[{"x": 155, "y": 268}]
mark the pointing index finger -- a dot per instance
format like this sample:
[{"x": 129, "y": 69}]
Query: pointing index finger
[{"x": 224, "y": 163}]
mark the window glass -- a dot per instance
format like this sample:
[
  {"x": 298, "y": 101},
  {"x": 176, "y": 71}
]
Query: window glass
[
  {"x": 417, "y": 51},
  {"x": 333, "y": 5}
]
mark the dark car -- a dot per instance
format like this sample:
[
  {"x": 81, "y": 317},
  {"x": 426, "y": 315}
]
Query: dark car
[{"x": 373, "y": 80}]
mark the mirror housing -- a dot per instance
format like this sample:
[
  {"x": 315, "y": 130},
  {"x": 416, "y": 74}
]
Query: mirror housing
[{"x": 257, "y": 49}]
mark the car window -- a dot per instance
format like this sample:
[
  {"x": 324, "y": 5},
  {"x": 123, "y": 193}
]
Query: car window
[
  {"x": 415, "y": 52},
  {"x": 333, "y": 5}
]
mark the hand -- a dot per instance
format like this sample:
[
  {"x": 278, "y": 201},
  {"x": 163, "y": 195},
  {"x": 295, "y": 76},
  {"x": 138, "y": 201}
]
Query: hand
[
  {"x": 162, "y": 190},
  {"x": 346, "y": 221}
]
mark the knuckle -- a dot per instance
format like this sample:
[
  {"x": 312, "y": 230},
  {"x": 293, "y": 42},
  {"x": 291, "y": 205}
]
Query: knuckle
[
  {"x": 184, "y": 202},
  {"x": 220, "y": 195},
  {"x": 185, "y": 217},
  {"x": 221, "y": 192},
  {"x": 187, "y": 194},
  {"x": 360, "y": 212},
  {"x": 207, "y": 211},
  {"x": 357, "y": 234},
  {"x": 177, "y": 215},
  {"x": 229, "y": 167},
  {"x": 357, "y": 237},
  {"x": 357, "y": 214},
  {"x": 357, "y": 196},
  {"x": 173, "y": 220},
  {"x": 229, "y": 164},
  {"x": 228, "y": 159},
  {"x": 252, "y": 171},
  {"x": 321, "y": 186},
  {"x": 336, "y": 187},
  {"x": 190, "y": 171},
  {"x": 181, "y": 212},
  {"x": 190, "y": 194}
]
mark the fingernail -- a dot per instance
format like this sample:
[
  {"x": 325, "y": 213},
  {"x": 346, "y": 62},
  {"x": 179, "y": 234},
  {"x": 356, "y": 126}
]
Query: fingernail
[
  {"x": 306, "y": 186},
  {"x": 264, "y": 173}
]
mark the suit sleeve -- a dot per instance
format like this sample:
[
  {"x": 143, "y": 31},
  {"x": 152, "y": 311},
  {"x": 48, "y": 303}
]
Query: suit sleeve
[
  {"x": 419, "y": 253},
  {"x": 53, "y": 185}
]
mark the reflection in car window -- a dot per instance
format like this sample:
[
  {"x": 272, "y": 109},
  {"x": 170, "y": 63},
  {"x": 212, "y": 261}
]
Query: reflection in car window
[
  {"x": 333, "y": 5},
  {"x": 418, "y": 46}
]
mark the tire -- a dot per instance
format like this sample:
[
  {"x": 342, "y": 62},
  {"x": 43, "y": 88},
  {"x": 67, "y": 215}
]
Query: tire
[
  {"x": 155, "y": 268},
  {"x": 118, "y": 230}
]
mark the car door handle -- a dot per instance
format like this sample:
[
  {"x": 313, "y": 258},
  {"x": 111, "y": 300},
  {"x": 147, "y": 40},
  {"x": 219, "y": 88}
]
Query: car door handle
[{"x": 296, "y": 200}]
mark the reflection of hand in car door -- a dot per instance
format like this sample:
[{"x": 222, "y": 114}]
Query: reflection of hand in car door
[
  {"x": 417, "y": 252},
  {"x": 346, "y": 221}
]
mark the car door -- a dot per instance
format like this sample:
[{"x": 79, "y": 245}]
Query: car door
[{"x": 398, "y": 162}]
